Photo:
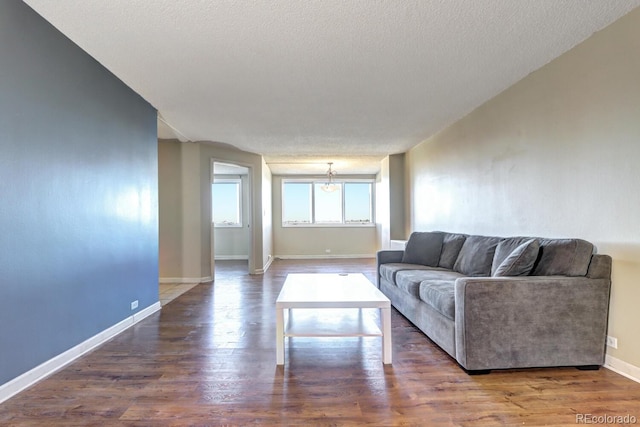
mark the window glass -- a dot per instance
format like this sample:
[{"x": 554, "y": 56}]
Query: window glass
[
  {"x": 225, "y": 197},
  {"x": 308, "y": 203},
  {"x": 328, "y": 205},
  {"x": 357, "y": 202},
  {"x": 296, "y": 203}
]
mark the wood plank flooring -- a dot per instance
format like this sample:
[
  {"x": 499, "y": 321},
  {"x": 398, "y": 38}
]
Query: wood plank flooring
[{"x": 208, "y": 358}]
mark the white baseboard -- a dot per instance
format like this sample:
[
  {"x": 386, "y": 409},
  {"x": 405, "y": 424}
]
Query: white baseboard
[
  {"x": 58, "y": 362},
  {"x": 185, "y": 279},
  {"x": 265, "y": 268},
  {"x": 623, "y": 368},
  {"x": 231, "y": 258},
  {"x": 327, "y": 256},
  {"x": 268, "y": 264}
]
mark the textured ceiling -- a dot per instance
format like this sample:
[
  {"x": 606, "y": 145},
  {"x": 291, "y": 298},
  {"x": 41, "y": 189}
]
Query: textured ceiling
[{"x": 306, "y": 82}]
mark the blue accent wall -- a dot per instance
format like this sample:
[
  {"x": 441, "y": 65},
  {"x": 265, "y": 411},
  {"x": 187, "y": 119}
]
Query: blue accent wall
[{"x": 78, "y": 194}]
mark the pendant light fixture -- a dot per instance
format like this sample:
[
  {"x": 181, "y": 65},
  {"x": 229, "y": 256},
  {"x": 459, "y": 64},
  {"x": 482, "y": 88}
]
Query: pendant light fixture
[{"x": 330, "y": 186}]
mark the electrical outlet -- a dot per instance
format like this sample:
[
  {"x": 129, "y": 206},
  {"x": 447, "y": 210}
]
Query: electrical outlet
[
  {"x": 328, "y": 251},
  {"x": 134, "y": 305},
  {"x": 612, "y": 342}
]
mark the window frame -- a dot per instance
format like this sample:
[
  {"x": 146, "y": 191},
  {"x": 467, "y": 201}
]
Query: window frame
[
  {"x": 321, "y": 181},
  {"x": 228, "y": 180}
]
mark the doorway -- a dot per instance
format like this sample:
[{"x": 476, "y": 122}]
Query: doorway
[{"x": 231, "y": 219}]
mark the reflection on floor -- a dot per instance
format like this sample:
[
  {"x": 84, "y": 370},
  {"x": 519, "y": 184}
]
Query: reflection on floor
[
  {"x": 226, "y": 268},
  {"x": 171, "y": 291},
  {"x": 223, "y": 269}
]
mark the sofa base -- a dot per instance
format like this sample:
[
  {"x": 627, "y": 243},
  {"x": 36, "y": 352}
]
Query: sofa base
[
  {"x": 588, "y": 367},
  {"x": 488, "y": 371},
  {"x": 475, "y": 371}
]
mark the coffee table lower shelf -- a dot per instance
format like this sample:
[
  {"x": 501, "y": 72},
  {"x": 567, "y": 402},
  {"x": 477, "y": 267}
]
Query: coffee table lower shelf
[{"x": 330, "y": 322}]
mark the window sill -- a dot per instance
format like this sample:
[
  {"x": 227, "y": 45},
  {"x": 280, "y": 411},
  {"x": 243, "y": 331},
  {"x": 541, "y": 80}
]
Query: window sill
[{"x": 368, "y": 225}]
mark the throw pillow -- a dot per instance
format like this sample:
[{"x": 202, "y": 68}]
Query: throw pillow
[
  {"x": 520, "y": 261},
  {"x": 505, "y": 247},
  {"x": 423, "y": 248},
  {"x": 476, "y": 256},
  {"x": 451, "y": 246}
]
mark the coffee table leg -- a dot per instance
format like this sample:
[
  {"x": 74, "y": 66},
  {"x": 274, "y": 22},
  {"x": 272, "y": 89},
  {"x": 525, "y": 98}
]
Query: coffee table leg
[
  {"x": 279, "y": 336},
  {"x": 386, "y": 335}
]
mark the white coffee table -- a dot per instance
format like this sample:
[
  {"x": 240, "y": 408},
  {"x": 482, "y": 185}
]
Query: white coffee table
[{"x": 319, "y": 293}]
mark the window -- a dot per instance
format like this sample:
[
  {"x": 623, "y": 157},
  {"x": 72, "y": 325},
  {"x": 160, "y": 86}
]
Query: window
[
  {"x": 296, "y": 203},
  {"x": 305, "y": 203},
  {"x": 327, "y": 208},
  {"x": 225, "y": 196},
  {"x": 358, "y": 203}
]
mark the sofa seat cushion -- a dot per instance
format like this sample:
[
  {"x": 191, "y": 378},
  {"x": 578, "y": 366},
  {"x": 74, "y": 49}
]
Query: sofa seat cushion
[
  {"x": 410, "y": 280},
  {"x": 439, "y": 294},
  {"x": 389, "y": 271}
]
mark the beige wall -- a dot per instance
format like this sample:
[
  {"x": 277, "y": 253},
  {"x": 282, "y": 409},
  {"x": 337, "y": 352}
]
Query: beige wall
[
  {"x": 254, "y": 162},
  {"x": 315, "y": 241},
  {"x": 267, "y": 215},
  {"x": 231, "y": 242},
  {"x": 192, "y": 215},
  {"x": 170, "y": 209},
  {"x": 180, "y": 213},
  {"x": 185, "y": 212},
  {"x": 397, "y": 197},
  {"x": 383, "y": 208},
  {"x": 555, "y": 155},
  {"x": 391, "y": 194}
]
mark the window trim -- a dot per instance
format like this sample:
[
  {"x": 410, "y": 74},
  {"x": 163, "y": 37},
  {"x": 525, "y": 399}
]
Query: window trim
[
  {"x": 238, "y": 182},
  {"x": 321, "y": 181}
]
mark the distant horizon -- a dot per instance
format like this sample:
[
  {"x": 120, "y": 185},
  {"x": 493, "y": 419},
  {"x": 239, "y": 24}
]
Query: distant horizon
[{"x": 299, "y": 199}]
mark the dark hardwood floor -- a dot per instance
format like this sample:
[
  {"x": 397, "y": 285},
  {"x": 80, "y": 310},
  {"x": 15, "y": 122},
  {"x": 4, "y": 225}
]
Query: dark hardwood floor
[{"x": 208, "y": 358}]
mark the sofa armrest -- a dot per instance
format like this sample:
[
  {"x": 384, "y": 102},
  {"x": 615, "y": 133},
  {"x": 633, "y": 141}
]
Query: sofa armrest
[
  {"x": 599, "y": 267},
  {"x": 386, "y": 256},
  {"x": 530, "y": 321},
  {"x": 389, "y": 255}
]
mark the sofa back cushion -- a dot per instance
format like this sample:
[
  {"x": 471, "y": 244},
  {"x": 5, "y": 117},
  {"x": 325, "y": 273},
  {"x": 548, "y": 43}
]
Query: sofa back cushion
[
  {"x": 476, "y": 256},
  {"x": 423, "y": 248},
  {"x": 451, "y": 246},
  {"x": 515, "y": 257},
  {"x": 563, "y": 257}
]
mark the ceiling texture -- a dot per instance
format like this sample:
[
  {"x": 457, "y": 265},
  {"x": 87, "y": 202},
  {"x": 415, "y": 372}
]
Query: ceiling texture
[{"x": 305, "y": 82}]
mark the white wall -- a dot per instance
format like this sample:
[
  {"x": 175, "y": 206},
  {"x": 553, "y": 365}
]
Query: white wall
[{"x": 555, "y": 155}]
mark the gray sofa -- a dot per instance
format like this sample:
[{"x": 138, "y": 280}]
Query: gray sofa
[{"x": 501, "y": 303}]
